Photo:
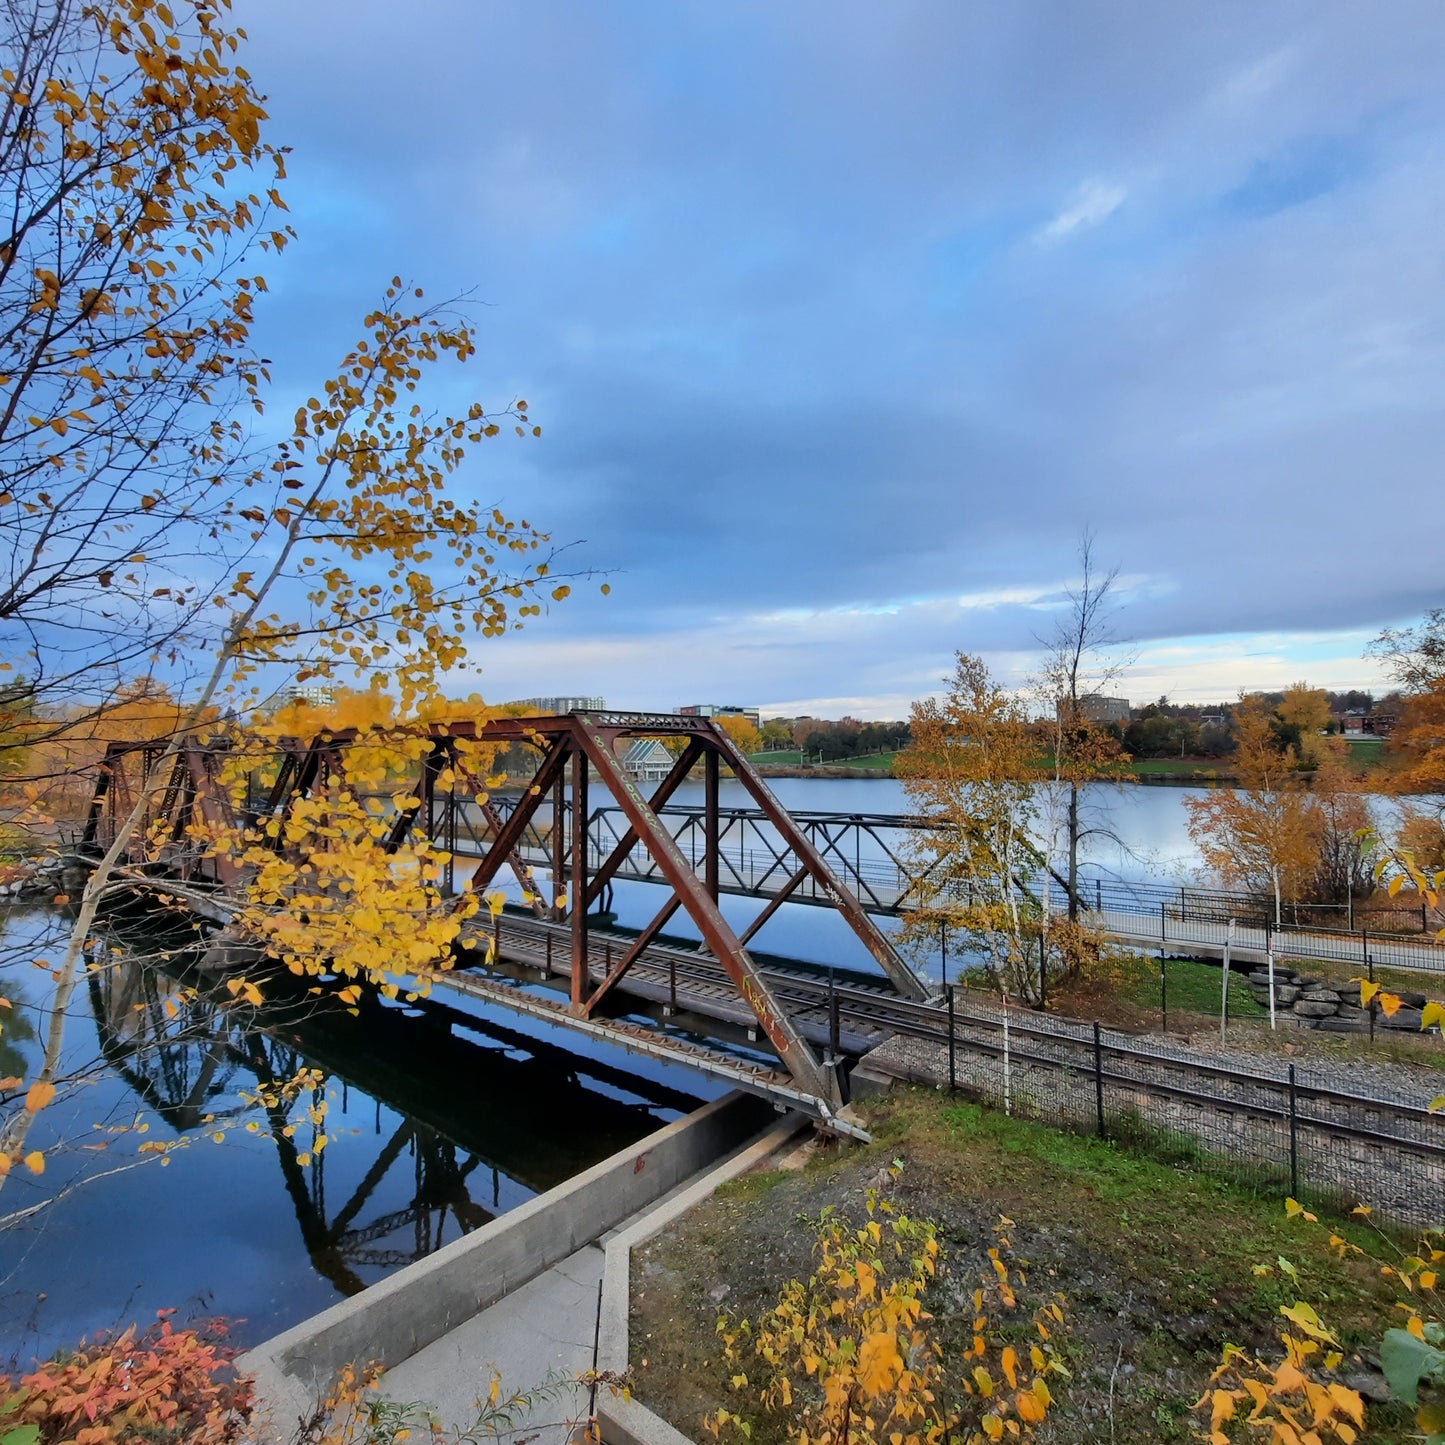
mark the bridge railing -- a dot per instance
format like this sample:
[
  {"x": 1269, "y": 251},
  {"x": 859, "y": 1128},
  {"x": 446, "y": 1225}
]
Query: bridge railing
[{"x": 872, "y": 855}]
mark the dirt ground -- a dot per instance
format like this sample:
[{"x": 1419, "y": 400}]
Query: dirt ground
[{"x": 1156, "y": 1265}]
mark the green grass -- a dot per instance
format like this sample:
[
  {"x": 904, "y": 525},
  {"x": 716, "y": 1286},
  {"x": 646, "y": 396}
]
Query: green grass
[
  {"x": 1178, "y": 767},
  {"x": 1367, "y": 753},
  {"x": 879, "y": 762},
  {"x": 1193, "y": 988},
  {"x": 791, "y": 758}
]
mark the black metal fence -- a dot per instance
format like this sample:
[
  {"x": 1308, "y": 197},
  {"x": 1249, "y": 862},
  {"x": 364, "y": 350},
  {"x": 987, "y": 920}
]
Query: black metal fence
[
  {"x": 1280, "y": 1128},
  {"x": 1191, "y": 903}
]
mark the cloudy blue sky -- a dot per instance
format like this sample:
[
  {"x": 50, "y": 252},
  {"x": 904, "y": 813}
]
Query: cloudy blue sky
[{"x": 843, "y": 320}]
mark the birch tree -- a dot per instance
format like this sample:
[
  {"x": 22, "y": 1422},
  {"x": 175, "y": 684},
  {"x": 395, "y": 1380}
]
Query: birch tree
[
  {"x": 146, "y": 520},
  {"x": 1078, "y": 666},
  {"x": 1264, "y": 833},
  {"x": 970, "y": 774}
]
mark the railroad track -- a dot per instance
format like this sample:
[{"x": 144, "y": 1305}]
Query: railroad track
[{"x": 850, "y": 1017}]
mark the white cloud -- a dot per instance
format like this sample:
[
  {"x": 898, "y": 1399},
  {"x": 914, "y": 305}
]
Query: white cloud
[
  {"x": 1251, "y": 84},
  {"x": 1093, "y": 203}
]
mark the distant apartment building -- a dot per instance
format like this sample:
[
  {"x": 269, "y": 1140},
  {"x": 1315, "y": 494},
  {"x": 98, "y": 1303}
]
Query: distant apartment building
[
  {"x": 713, "y": 709},
  {"x": 559, "y": 705},
  {"x": 1380, "y": 722},
  {"x": 311, "y": 696},
  {"x": 1097, "y": 708}
]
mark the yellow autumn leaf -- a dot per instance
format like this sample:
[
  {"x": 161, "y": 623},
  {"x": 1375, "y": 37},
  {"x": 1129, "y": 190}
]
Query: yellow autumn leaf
[
  {"x": 1032, "y": 1407},
  {"x": 1432, "y": 1014},
  {"x": 1304, "y": 1316},
  {"x": 35, "y": 1162},
  {"x": 1009, "y": 1364},
  {"x": 879, "y": 1363},
  {"x": 1349, "y": 1401},
  {"x": 38, "y": 1096}
]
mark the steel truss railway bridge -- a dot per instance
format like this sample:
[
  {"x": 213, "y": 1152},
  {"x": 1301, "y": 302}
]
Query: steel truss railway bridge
[
  {"x": 446, "y": 802},
  {"x": 861, "y": 866}
]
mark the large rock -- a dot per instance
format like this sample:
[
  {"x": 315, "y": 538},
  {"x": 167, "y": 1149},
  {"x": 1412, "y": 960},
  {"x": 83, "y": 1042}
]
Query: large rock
[
  {"x": 1405, "y": 1019},
  {"x": 1369, "y": 1383},
  {"x": 1284, "y": 995},
  {"x": 1341, "y": 1025},
  {"x": 1319, "y": 995},
  {"x": 1314, "y": 1010}
]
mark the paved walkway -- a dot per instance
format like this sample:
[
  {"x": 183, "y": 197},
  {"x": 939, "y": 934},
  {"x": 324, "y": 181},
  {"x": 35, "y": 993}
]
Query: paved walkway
[
  {"x": 1208, "y": 939},
  {"x": 535, "y": 1335}
]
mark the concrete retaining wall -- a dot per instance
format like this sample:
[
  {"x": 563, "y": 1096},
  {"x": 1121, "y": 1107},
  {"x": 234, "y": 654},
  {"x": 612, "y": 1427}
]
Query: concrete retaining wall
[
  {"x": 402, "y": 1314},
  {"x": 621, "y": 1419}
]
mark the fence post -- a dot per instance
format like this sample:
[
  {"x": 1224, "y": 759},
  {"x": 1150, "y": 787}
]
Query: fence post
[
  {"x": 1269, "y": 966},
  {"x": 1007, "y": 1062},
  {"x": 952, "y": 1070},
  {"x": 1224, "y": 986},
  {"x": 1163, "y": 994},
  {"x": 1099, "y": 1079},
  {"x": 1161, "y": 920},
  {"x": 1293, "y": 1138},
  {"x": 548, "y": 971},
  {"x": 1370, "y": 970},
  {"x": 1043, "y": 971},
  {"x": 835, "y": 1047}
]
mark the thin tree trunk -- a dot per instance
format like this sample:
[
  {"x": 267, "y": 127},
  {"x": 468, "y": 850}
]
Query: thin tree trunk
[{"x": 1073, "y": 852}]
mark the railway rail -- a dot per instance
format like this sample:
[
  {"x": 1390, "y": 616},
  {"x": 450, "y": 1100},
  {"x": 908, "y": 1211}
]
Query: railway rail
[{"x": 1086, "y": 1061}]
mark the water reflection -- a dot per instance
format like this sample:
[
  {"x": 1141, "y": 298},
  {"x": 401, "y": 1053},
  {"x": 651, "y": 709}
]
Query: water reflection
[{"x": 439, "y": 1117}]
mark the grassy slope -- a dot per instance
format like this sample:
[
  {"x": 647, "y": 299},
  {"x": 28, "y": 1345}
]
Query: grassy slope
[{"x": 1156, "y": 1264}]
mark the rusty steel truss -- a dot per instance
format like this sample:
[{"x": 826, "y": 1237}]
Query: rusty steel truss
[{"x": 446, "y": 799}]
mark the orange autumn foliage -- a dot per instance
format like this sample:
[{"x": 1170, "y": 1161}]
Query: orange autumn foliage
[{"x": 161, "y": 1385}]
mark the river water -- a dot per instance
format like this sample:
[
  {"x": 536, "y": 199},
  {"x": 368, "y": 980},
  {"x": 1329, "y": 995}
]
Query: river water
[
  {"x": 1137, "y": 833},
  {"x": 441, "y": 1115}
]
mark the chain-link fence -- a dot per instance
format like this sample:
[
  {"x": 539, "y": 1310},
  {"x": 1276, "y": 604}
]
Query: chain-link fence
[{"x": 1279, "y": 1128}]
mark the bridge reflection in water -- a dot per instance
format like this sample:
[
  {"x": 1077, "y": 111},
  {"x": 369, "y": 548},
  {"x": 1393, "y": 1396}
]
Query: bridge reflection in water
[{"x": 477, "y": 1113}]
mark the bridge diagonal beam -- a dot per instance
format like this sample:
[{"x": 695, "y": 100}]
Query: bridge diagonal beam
[
  {"x": 640, "y": 945},
  {"x": 778, "y": 858},
  {"x": 439, "y": 755},
  {"x": 792, "y": 1047},
  {"x": 853, "y": 866},
  {"x": 211, "y": 802},
  {"x": 869, "y": 934},
  {"x": 521, "y": 869},
  {"x": 774, "y": 904},
  {"x": 510, "y": 835}
]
